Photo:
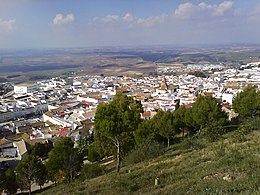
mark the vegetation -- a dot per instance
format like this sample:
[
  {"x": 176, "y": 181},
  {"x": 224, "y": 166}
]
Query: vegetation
[
  {"x": 8, "y": 182},
  {"x": 90, "y": 171},
  {"x": 193, "y": 166},
  {"x": 197, "y": 159},
  {"x": 64, "y": 161},
  {"x": 116, "y": 122},
  {"x": 144, "y": 151},
  {"x": 30, "y": 170},
  {"x": 41, "y": 150},
  {"x": 247, "y": 103},
  {"x": 199, "y": 74}
]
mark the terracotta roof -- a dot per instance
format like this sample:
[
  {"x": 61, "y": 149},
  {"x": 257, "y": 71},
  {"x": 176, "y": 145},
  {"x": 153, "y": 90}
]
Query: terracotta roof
[
  {"x": 146, "y": 114},
  {"x": 189, "y": 105},
  {"x": 64, "y": 131}
]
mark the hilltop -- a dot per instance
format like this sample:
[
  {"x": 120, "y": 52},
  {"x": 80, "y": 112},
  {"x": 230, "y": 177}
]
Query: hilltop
[{"x": 192, "y": 166}]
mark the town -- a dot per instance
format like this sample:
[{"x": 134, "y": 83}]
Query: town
[
  {"x": 40, "y": 112},
  {"x": 129, "y": 97}
]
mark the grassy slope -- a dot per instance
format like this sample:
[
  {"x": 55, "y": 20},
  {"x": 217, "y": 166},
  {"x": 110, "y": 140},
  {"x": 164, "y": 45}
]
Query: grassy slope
[{"x": 191, "y": 167}]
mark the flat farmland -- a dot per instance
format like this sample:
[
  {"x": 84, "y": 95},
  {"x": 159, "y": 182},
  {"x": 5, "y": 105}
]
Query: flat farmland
[{"x": 36, "y": 64}]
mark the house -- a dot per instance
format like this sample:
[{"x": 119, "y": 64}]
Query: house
[
  {"x": 21, "y": 149},
  {"x": 9, "y": 148},
  {"x": 228, "y": 97},
  {"x": 230, "y": 112},
  {"x": 38, "y": 134},
  {"x": 25, "y": 88},
  {"x": 147, "y": 115}
]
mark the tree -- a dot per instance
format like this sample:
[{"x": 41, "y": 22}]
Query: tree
[
  {"x": 82, "y": 146},
  {"x": 64, "y": 160},
  {"x": 145, "y": 131},
  {"x": 207, "y": 111},
  {"x": 177, "y": 106},
  {"x": 116, "y": 121},
  {"x": 189, "y": 122},
  {"x": 247, "y": 103},
  {"x": 41, "y": 150},
  {"x": 41, "y": 176},
  {"x": 179, "y": 119},
  {"x": 165, "y": 125},
  {"x": 29, "y": 170},
  {"x": 8, "y": 182}
]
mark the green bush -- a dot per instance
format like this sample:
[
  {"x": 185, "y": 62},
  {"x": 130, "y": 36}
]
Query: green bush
[
  {"x": 251, "y": 125},
  {"x": 212, "y": 133},
  {"x": 126, "y": 185},
  {"x": 193, "y": 143},
  {"x": 245, "y": 128},
  {"x": 90, "y": 171},
  {"x": 239, "y": 136},
  {"x": 144, "y": 151},
  {"x": 93, "y": 154},
  {"x": 219, "y": 149}
]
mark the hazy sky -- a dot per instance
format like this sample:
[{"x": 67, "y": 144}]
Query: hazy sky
[{"x": 84, "y": 23}]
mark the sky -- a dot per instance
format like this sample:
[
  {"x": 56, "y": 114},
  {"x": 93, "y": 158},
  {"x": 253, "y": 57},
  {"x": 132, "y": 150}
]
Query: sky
[{"x": 96, "y": 23}]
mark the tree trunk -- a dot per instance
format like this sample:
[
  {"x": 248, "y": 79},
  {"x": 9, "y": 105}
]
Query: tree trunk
[
  {"x": 118, "y": 156},
  {"x": 30, "y": 190},
  {"x": 168, "y": 140}
]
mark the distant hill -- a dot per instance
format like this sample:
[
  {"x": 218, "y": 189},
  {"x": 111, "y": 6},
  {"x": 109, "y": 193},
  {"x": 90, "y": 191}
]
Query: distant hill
[{"x": 55, "y": 62}]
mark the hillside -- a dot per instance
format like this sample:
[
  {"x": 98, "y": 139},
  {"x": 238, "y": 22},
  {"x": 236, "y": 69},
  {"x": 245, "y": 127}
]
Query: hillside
[{"x": 193, "y": 166}]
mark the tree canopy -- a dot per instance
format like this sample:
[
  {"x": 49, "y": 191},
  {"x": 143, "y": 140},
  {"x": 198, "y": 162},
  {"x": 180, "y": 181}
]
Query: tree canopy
[
  {"x": 207, "y": 111},
  {"x": 41, "y": 150},
  {"x": 64, "y": 160},
  {"x": 30, "y": 170},
  {"x": 165, "y": 125},
  {"x": 247, "y": 103},
  {"x": 116, "y": 121},
  {"x": 8, "y": 182}
]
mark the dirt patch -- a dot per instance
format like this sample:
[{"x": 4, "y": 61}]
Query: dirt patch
[{"x": 227, "y": 176}]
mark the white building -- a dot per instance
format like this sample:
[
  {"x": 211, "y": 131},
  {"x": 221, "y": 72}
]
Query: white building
[{"x": 25, "y": 88}]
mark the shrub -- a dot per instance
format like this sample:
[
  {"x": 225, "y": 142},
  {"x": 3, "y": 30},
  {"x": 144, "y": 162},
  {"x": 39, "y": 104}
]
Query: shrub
[
  {"x": 251, "y": 125},
  {"x": 212, "y": 133},
  {"x": 144, "y": 151},
  {"x": 219, "y": 149},
  {"x": 92, "y": 154},
  {"x": 239, "y": 135},
  {"x": 126, "y": 185},
  {"x": 193, "y": 143},
  {"x": 245, "y": 128},
  {"x": 90, "y": 171}
]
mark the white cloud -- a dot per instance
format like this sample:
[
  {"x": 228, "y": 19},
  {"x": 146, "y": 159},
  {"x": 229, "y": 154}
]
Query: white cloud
[
  {"x": 152, "y": 20},
  {"x": 200, "y": 12},
  {"x": 7, "y": 25},
  {"x": 63, "y": 19},
  {"x": 188, "y": 23},
  {"x": 128, "y": 17},
  {"x": 128, "y": 20},
  {"x": 220, "y": 9},
  {"x": 187, "y": 10},
  {"x": 184, "y": 10},
  {"x": 111, "y": 18}
]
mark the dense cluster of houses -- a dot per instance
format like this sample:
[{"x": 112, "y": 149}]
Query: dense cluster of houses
[{"x": 57, "y": 107}]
